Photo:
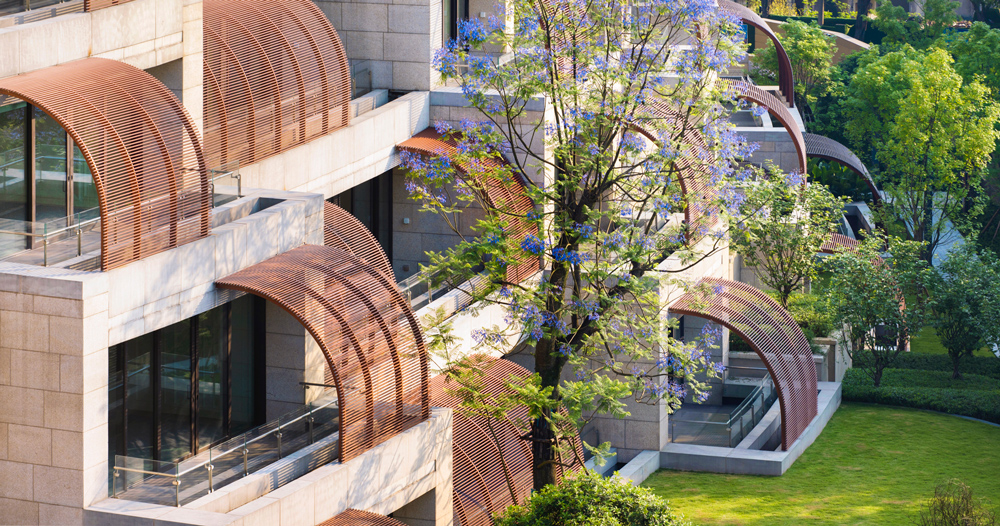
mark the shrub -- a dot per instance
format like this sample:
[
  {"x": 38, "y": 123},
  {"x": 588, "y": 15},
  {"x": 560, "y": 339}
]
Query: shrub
[
  {"x": 811, "y": 312},
  {"x": 981, "y": 365},
  {"x": 588, "y": 499},
  {"x": 953, "y": 504},
  {"x": 981, "y": 404},
  {"x": 938, "y": 380}
]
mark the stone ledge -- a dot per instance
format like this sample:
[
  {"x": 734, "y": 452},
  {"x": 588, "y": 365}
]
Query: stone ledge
[{"x": 689, "y": 457}]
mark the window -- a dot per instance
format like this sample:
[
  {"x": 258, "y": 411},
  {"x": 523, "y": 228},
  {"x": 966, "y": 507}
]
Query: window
[
  {"x": 188, "y": 386},
  {"x": 43, "y": 175},
  {"x": 371, "y": 203}
]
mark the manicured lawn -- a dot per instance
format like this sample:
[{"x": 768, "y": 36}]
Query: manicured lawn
[
  {"x": 927, "y": 342},
  {"x": 872, "y": 465}
]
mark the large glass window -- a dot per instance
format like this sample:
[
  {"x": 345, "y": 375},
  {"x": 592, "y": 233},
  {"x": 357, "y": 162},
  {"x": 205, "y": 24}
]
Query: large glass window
[
  {"x": 14, "y": 191},
  {"x": 371, "y": 203},
  {"x": 51, "y": 191},
  {"x": 187, "y": 386}
]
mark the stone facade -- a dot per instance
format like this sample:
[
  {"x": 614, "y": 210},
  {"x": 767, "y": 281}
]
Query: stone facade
[{"x": 392, "y": 40}]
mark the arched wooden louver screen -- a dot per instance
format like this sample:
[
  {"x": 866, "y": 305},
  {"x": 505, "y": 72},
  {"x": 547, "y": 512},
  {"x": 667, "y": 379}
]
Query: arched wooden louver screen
[
  {"x": 141, "y": 147},
  {"x": 753, "y": 93},
  {"x": 773, "y": 334},
  {"x": 786, "y": 84},
  {"x": 346, "y": 232},
  {"x": 697, "y": 190},
  {"x": 366, "y": 330},
  {"x": 495, "y": 193},
  {"x": 831, "y": 150},
  {"x": 276, "y": 76},
  {"x": 480, "y": 484},
  {"x": 361, "y": 518}
]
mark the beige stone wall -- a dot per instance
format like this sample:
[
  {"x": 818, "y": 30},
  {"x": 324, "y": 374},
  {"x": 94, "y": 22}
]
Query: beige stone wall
[
  {"x": 394, "y": 40},
  {"x": 143, "y": 33},
  {"x": 776, "y": 146},
  {"x": 347, "y": 157},
  {"x": 55, "y": 329}
]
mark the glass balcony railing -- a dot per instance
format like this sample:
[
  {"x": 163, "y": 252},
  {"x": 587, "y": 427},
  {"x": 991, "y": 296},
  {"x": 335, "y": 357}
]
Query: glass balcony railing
[
  {"x": 16, "y": 12},
  {"x": 56, "y": 240},
  {"x": 178, "y": 483},
  {"x": 420, "y": 292},
  {"x": 724, "y": 428}
]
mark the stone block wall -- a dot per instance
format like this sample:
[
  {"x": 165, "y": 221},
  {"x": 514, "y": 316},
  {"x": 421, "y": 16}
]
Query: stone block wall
[
  {"x": 56, "y": 325},
  {"x": 394, "y": 40}
]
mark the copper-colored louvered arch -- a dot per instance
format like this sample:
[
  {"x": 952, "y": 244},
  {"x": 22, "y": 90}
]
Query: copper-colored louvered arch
[
  {"x": 142, "y": 149},
  {"x": 753, "y": 93},
  {"x": 354, "y": 517},
  {"x": 700, "y": 213},
  {"x": 480, "y": 483},
  {"x": 826, "y": 148},
  {"x": 774, "y": 336},
  {"x": 346, "y": 232},
  {"x": 786, "y": 83},
  {"x": 508, "y": 195},
  {"x": 372, "y": 342},
  {"x": 276, "y": 76}
]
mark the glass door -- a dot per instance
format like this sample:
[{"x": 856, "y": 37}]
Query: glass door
[{"x": 51, "y": 188}]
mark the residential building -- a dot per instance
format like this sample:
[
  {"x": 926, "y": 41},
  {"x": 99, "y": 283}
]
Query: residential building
[{"x": 202, "y": 226}]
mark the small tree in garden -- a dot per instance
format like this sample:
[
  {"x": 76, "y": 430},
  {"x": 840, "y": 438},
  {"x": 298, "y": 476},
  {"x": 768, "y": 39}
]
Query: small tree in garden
[
  {"x": 786, "y": 222},
  {"x": 595, "y": 323},
  {"x": 588, "y": 499},
  {"x": 810, "y": 52},
  {"x": 966, "y": 295},
  {"x": 867, "y": 295},
  {"x": 955, "y": 504},
  {"x": 901, "y": 28}
]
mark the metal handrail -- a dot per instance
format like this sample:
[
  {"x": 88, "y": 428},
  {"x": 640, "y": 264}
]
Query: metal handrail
[{"x": 208, "y": 464}]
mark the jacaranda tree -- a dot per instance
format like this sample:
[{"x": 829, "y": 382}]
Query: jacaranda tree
[{"x": 627, "y": 115}]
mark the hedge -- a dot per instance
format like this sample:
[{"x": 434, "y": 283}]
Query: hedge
[
  {"x": 981, "y": 365},
  {"x": 982, "y": 404}
]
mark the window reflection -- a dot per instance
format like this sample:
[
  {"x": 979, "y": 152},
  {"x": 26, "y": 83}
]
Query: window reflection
[{"x": 50, "y": 168}]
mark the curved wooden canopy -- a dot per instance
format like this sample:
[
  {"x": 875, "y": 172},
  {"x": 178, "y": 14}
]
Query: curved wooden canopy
[
  {"x": 700, "y": 213},
  {"x": 354, "y": 517},
  {"x": 480, "y": 485},
  {"x": 276, "y": 76},
  {"x": 508, "y": 196},
  {"x": 372, "y": 342},
  {"x": 774, "y": 336},
  {"x": 344, "y": 231},
  {"x": 751, "y": 92},
  {"x": 142, "y": 149},
  {"x": 826, "y": 148},
  {"x": 786, "y": 83}
]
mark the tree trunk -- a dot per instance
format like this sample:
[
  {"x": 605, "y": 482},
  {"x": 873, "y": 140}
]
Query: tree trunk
[
  {"x": 800, "y": 7},
  {"x": 765, "y": 8},
  {"x": 877, "y": 377},
  {"x": 956, "y": 360},
  {"x": 861, "y": 24},
  {"x": 543, "y": 454},
  {"x": 822, "y": 12}
]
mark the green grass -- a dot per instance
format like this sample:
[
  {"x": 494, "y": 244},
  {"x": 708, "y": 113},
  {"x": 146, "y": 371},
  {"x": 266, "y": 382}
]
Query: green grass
[
  {"x": 871, "y": 465},
  {"x": 928, "y": 342}
]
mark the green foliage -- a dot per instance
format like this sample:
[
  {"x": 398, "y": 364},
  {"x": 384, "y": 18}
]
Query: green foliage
[
  {"x": 810, "y": 52},
  {"x": 812, "y": 313},
  {"x": 588, "y": 499},
  {"x": 980, "y": 365},
  {"x": 977, "y": 55},
  {"x": 841, "y": 180},
  {"x": 785, "y": 223},
  {"x": 966, "y": 295},
  {"x": 930, "y": 380},
  {"x": 872, "y": 465},
  {"x": 928, "y": 342},
  {"x": 985, "y": 405},
  {"x": 920, "y": 32},
  {"x": 865, "y": 294},
  {"x": 954, "y": 504},
  {"x": 929, "y": 136}
]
